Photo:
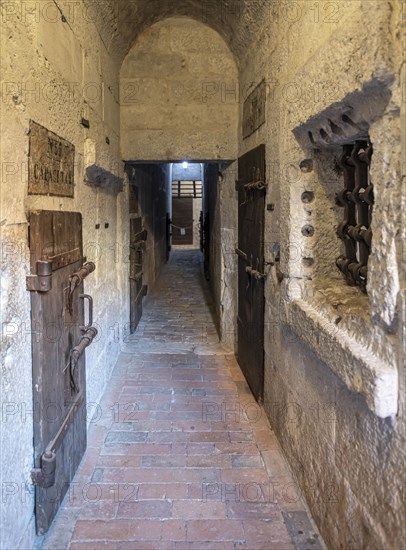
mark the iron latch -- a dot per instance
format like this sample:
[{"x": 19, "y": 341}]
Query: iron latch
[
  {"x": 76, "y": 353},
  {"x": 75, "y": 280},
  {"x": 42, "y": 281},
  {"x": 256, "y": 274},
  {"x": 258, "y": 185}
]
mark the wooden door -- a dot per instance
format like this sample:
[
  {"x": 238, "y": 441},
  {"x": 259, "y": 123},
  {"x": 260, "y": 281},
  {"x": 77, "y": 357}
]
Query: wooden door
[
  {"x": 251, "y": 205},
  {"x": 59, "y": 337},
  {"x": 182, "y": 220},
  {"x": 138, "y": 290},
  {"x": 168, "y": 235},
  {"x": 206, "y": 245}
]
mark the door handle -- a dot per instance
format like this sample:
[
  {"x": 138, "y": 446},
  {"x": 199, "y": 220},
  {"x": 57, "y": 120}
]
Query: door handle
[{"x": 90, "y": 300}]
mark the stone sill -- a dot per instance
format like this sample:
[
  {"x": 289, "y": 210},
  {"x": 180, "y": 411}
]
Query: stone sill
[{"x": 352, "y": 362}]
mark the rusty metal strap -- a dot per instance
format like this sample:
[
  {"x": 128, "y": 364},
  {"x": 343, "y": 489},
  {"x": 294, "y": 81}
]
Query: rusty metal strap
[
  {"x": 65, "y": 258},
  {"x": 141, "y": 236},
  {"x": 44, "y": 476},
  {"x": 142, "y": 293},
  {"x": 241, "y": 254},
  {"x": 137, "y": 276}
]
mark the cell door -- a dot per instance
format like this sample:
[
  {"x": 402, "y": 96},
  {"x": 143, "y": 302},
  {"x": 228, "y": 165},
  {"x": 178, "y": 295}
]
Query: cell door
[
  {"x": 251, "y": 205},
  {"x": 182, "y": 221},
  {"x": 60, "y": 335},
  {"x": 138, "y": 290}
]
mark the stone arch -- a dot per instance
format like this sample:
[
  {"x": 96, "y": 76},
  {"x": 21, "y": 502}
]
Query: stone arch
[{"x": 179, "y": 94}]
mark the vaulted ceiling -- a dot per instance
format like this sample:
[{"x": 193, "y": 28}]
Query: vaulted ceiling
[{"x": 237, "y": 21}]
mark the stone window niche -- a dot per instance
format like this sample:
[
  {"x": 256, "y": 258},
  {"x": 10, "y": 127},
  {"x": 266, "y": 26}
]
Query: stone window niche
[{"x": 332, "y": 313}]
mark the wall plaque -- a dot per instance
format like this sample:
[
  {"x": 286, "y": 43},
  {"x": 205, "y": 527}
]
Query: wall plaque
[
  {"x": 254, "y": 110},
  {"x": 51, "y": 163}
]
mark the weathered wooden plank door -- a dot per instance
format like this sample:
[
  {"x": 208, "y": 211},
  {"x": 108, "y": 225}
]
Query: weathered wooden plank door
[
  {"x": 138, "y": 290},
  {"x": 251, "y": 205},
  {"x": 182, "y": 220},
  {"x": 168, "y": 235},
  {"x": 206, "y": 245},
  {"x": 59, "y": 336}
]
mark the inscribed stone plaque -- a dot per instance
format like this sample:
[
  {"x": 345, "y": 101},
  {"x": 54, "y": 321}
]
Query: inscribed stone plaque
[
  {"x": 254, "y": 110},
  {"x": 51, "y": 163}
]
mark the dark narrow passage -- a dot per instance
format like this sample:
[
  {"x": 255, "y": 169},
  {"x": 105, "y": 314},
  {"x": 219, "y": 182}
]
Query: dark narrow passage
[
  {"x": 179, "y": 313},
  {"x": 180, "y": 456}
]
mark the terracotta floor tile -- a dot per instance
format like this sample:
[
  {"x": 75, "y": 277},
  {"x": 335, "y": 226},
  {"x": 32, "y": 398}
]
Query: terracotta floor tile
[
  {"x": 101, "y": 530},
  {"x": 198, "y": 510},
  {"x": 214, "y": 530},
  {"x": 172, "y": 491},
  {"x": 145, "y": 509}
]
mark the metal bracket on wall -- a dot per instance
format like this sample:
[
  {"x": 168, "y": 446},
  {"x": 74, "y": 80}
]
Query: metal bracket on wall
[{"x": 42, "y": 281}]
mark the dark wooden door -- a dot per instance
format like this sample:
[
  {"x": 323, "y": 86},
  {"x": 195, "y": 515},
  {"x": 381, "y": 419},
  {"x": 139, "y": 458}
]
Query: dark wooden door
[
  {"x": 138, "y": 290},
  {"x": 206, "y": 245},
  {"x": 168, "y": 235},
  {"x": 182, "y": 220},
  {"x": 251, "y": 205},
  {"x": 59, "y": 336}
]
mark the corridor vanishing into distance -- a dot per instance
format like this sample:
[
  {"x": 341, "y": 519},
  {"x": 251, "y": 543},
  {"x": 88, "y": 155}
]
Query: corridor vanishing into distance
[{"x": 179, "y": 455}]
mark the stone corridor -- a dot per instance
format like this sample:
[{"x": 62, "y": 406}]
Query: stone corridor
[{"x": 179, "y": 455}]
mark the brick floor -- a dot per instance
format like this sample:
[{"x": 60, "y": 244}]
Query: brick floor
[{"x": 181, "y": 456}]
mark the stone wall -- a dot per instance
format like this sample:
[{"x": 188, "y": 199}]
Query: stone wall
[
  {"x": 197, "y": 208},
  {"x": 220, "y": 201},
  {"x": 173, "y": 88},
  {"x": 334, "y": 374},
  {"x": 211, "y": 206},
  {"x": 55, "y": 71}
]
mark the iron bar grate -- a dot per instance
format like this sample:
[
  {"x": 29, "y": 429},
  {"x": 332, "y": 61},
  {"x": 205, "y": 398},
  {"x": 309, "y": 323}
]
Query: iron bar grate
[{"x": 357, "y": 199}]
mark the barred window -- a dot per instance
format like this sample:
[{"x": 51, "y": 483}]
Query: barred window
[{"x": 357, "y": 199}]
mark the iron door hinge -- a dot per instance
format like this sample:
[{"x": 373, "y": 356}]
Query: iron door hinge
[
  {"x": 42, "y": 281},
  {"x": 45, "y": 476}
]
